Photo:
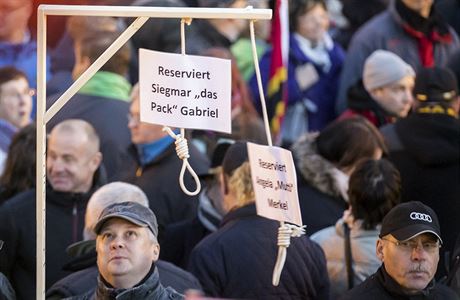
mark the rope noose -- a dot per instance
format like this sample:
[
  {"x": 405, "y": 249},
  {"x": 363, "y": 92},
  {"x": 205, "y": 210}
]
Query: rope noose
[
  {"x": 181, "y": 141},
  {"x": 285, "y": 231}
]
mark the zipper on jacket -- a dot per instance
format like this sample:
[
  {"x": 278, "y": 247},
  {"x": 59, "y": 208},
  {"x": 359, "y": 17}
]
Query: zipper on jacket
[
  {"x": 139, "y": 171},
  {"x": 74, "y": 223}
]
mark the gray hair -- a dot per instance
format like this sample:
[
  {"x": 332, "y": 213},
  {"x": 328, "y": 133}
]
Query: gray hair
[
  {"x": 115, "y": 192},
  {"x": 78, "y": 127}
]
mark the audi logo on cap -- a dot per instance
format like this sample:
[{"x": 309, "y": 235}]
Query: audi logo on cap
[{"x": 420, "y": 216}]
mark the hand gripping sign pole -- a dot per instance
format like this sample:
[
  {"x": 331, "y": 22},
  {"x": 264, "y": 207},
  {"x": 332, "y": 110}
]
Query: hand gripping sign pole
[
  {"x": 43, "y": 116},
  {"x": 285, "y": 231}
]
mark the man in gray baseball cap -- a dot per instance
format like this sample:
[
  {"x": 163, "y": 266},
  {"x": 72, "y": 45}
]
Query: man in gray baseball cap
[
  {"x": 408, "y": 247},
  {"x": 130, "y": 211},
  {"x": 127, "y": 248}
]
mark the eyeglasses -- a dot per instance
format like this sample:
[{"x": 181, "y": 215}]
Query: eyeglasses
[
  {"x": 133, "y": 118},
  {"x": 17, "y": 95},
  {"x": 409, "y": 246}
]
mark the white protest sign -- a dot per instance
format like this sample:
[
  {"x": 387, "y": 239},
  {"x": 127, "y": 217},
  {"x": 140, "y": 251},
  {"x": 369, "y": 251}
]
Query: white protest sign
[
  {"x": 275, "y": 183},
  {"x": 185, "y": 91}
]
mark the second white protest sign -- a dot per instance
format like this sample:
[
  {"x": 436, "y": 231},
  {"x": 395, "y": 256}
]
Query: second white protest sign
[
  {"x": 185, "y": 91},
  {"x": 275, "y": 183}
]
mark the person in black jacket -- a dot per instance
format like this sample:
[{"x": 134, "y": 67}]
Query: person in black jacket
[
  {"x": 84, "y": 254},
  {"x": 127, "y": 248},
  {"x": 408, "y": 246},
  {"x": 237, "y": 260},
  {"x": 73, "y": 174}
]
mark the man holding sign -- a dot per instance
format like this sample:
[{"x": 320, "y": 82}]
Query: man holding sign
[{"x": 237, "y": 260}]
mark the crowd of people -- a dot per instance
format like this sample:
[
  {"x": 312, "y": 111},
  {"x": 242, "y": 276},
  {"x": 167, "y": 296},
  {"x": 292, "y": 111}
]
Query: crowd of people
[{"x": 371, "y": 119}]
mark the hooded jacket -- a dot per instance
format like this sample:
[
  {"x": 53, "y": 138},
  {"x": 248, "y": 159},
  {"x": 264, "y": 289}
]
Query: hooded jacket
[{"x": 322, "y": 187}]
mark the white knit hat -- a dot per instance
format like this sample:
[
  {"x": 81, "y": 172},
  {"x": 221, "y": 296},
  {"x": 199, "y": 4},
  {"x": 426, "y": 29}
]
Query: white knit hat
[{"x": 384, "y": 67}]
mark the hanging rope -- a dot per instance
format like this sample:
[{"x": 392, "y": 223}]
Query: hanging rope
[
  {"x": 181, "y": 141},
  {"x": 285, "y": 231},
  {"x": 259, "y": 82}
]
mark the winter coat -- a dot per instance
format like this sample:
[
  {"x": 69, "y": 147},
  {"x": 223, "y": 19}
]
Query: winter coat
[
  {"x": 108, "y": 116},
  {"x": 64, "y": 225},
  {"x": 360, "y": 103},
  {"x": 150, "y": 289},
  {"x": 84, "y": 280},
  {"x": 84, "y": 274},
  {"x": 380, "y": 286},
  {"x": 425, "y": 148},
  {"x": 321, "y": 193},
  {"x": 237, "y": 261},
  {"x": 364, "y": 260},
  {"x": 322, "y": 94},
  {"x": 159, "y": 180},
  {"x": 387, "y": 31}
]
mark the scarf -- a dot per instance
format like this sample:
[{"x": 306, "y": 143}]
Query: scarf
[
  {"x": 107, "y": 84},
  {"x": 319, "y": 55},
  {"x": 427, "y": 31},
  {"x": 207, "y": 214}
]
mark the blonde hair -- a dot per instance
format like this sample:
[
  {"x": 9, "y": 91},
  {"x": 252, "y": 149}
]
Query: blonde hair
[{"x": 240, "y": 183}]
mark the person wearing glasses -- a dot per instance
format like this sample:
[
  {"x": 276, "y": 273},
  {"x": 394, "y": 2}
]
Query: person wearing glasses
[
  {"x": 15, "y": 107},
  {"x": 18, "y": 47},
  {"x": 408, "y": 246}
]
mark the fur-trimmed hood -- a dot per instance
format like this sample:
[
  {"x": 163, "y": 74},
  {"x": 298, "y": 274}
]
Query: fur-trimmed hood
[{"x": 316, "y": 170}]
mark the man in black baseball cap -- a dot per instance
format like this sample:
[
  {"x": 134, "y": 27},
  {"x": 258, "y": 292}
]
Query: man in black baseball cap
[
  {"x": 408, "y": 247},
  {"x": 127, "y": 248},
  {"x": 410, "y": 220}
]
